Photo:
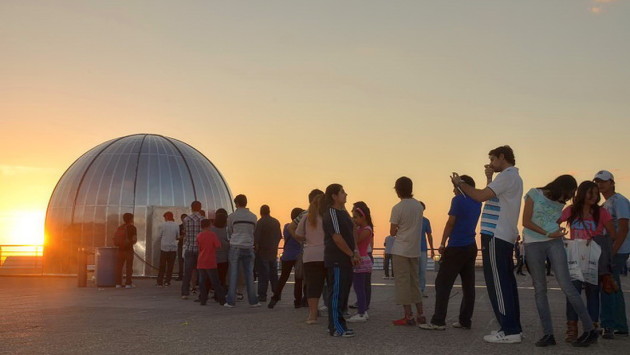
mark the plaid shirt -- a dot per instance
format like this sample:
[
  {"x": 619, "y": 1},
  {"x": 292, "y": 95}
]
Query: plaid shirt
[{"x": 192, "y": 227}]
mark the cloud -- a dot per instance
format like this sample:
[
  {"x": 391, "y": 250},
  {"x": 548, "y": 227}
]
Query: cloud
[
  {"x": 14, "y": 170},
  {"x": 598, "y": 6}
]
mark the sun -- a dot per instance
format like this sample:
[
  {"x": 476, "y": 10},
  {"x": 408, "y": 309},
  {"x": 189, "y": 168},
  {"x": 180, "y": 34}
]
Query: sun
[{"x": 23, "y": 228}]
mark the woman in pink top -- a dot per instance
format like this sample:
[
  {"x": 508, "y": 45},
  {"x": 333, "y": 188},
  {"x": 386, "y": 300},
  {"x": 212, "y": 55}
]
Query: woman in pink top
[
  {"x": 587, "y": 220},
  {"x": 311, "y": 231},
  {"x": 363, "y": 234}
]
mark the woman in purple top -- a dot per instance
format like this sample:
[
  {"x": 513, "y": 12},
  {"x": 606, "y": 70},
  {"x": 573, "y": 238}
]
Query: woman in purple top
[{"x": 292, "y": 252}]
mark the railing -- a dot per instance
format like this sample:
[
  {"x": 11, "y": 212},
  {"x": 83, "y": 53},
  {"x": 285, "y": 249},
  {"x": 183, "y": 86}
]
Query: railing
[{"x": 21, "y": 259}]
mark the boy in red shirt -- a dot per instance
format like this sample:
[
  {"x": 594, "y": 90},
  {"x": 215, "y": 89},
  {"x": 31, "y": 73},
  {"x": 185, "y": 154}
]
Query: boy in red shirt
[{"x": 207, "y": 263}]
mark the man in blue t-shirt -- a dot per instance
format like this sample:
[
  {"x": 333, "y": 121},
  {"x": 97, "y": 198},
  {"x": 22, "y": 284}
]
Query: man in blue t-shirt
[
  {"x": 426, "y": 234},
  {"x": 458, "y": 258}
]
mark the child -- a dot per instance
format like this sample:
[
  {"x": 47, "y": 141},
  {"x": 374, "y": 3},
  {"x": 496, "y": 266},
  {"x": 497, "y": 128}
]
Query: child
[
  {"x": 364, "y": 235},
  {"x": 587, "y": 220},
  {"x": 207, "y": 263}
]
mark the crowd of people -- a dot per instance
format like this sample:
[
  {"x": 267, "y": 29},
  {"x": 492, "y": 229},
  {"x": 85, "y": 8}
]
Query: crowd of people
[{"x": 329, "y": 248}]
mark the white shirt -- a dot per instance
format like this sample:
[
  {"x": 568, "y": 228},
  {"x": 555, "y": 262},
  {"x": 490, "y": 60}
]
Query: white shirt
[
  {"x": 500, "y": 214},
  {"x": 407, "y": 215},
  {"x": 168, "y": 233}
]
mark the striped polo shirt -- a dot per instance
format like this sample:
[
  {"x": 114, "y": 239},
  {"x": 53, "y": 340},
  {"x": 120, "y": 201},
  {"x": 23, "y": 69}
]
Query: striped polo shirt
[{"x": 500, "y": 214}]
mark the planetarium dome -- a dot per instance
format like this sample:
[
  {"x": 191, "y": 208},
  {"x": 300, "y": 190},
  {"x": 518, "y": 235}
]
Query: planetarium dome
[{"x": 144, "y": 174}]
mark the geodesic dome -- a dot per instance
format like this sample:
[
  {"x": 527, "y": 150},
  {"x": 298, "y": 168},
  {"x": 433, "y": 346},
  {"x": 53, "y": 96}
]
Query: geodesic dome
[{"x": 144, "y": 174}]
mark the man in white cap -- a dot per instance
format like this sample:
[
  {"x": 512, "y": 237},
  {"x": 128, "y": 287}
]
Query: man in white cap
[{"x": 613, "y": 308}]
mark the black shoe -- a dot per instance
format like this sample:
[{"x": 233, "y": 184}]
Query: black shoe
[
  {"x": 354, "y": 306},
  {"x": 608, "y": 333},
  {"x": 197, "y": 300},
  {"x": 586, "y": 339},
  {"x": 262, "y": 299},
  {"x": 272, "y": 303},
  {"x": 546, "y": 341},
  {"x": 297, "y": 304}
]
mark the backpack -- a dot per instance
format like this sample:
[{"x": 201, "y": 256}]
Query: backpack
[{"x": 120, "y": 236}]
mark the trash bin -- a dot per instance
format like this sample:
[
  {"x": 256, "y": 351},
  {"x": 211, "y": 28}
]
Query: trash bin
[{"x": 105, "y": 273}]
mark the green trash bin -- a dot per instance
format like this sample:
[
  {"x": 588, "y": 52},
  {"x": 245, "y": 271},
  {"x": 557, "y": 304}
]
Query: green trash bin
[{"x": 105, "y": 273}]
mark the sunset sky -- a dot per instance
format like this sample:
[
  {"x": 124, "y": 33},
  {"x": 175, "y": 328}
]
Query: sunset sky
[{"x": 285, "y": 96}]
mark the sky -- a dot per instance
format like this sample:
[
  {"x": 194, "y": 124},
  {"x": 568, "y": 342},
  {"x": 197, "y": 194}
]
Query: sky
[{"x": 285, "y": 96}]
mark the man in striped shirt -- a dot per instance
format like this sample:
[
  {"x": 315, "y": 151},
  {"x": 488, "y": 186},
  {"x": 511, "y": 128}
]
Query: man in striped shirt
[
  {"x": 192, "y": 227},
  {"x": 502, "y": 197}
]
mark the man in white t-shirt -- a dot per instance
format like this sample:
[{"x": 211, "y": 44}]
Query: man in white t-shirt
[
  {"x": 613, "y": 312},
  {"x": 502, "y": 197},
  {"x": 406, "y": 226}
]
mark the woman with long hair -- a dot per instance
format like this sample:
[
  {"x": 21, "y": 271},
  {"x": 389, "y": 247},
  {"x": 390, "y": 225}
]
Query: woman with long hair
[
  {"x": 543, "y": 238},
  {"x": 339, "y": 257},
  {"x": 363, "y": 270},
  {"x": 311, "y": 231},
  {"x": 587, "y": 220}
]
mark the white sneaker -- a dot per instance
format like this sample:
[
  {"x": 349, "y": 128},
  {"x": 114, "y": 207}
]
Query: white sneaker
[
  {"x": 227, "y": 305},
  {"x": 358, "y": 318},
  {"x": 494, "y": 332},
  {"x": 119, "y": 286},
  {"x": 459, "y": 325},
  {"x": 254, "y": 305},
  {"x": 430, "y": 326},
  {"x": 501, "y": 338},
  {"x": 130, "y": 286}
]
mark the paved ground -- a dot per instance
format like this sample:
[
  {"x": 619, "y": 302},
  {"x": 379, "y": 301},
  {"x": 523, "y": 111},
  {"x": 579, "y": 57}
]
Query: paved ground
[{"x": 51, "y": 315}]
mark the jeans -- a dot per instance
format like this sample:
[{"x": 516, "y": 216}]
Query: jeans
[
  {"x": 613, "y": 305},
  {"x": 125, "y": 259},
  {"x": 537, "y": 253},
  {"x": 267, "y": 274},
  {"x": 592, "y": 300},
  {"x": 422, "y": 270},
  {"x": 456, "y": 261},
  {"x": 190, "y": 264},
  {"x": 167, "y": 261},
  {"x": 386, "y": 262},
  {"x": 213, "y": 276},
  {"x": 245, "y": 258}
]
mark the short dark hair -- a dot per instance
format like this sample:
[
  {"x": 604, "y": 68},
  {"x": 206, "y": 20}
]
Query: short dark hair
[
  {"x": 240, "y": 200},
  {"x": 195, "y": 206},
  {"x": 264, "y": 210},
  {"x": 507, "y": 152},
  {"x": 183, "y": 216},
  {"x": 314, "y": 193},
  {"x": 404, "y": 187},
  {"x": 205, "y": 223},
  {"x": 128, "y": 217},
  {"x": 220, "y": 218},
  {"x": 296, "y": 212},
  {"x": 468, "y": 180}
]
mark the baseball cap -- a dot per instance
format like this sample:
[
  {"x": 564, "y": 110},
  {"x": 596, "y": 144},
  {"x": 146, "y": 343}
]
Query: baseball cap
[{"x": 604, "y": 175}]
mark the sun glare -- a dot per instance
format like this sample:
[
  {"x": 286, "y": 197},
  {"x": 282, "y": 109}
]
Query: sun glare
[{"x": 24, "y": 228}]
